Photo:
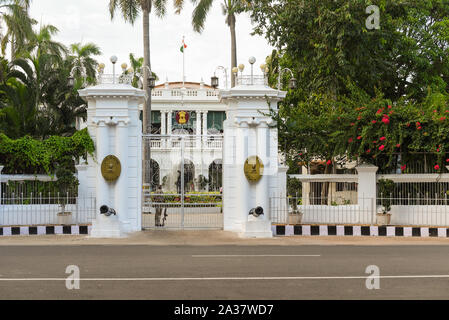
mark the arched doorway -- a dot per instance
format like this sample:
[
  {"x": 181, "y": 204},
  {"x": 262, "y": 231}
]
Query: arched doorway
[
  {"x": 189, "y": 176},
  {"x": 216, "y": 175}
]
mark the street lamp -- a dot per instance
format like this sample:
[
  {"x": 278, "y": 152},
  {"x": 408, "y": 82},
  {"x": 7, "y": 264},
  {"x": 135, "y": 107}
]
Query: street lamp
[
  {"x": 252, "y": 61},
  {"x": 293, "y": 83},
  {"x": 214, "y": 82},
  {"x": 71, "y": 78},
  {"x": 215, "y": 76}
]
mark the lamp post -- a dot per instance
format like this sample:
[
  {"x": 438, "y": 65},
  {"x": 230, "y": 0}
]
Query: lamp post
[
  {"x": 252, "y": 61},
  {"x": 71, "y": 79},
  {"x": 226, "y": 75},
  {"x": 114, "y": 61},
  {"x": 293, "y": 83}
]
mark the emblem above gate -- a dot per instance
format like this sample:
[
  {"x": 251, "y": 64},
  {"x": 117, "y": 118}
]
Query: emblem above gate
[
  {"x": 111, "y": 168},
  {"x": 253, "y": 169}
]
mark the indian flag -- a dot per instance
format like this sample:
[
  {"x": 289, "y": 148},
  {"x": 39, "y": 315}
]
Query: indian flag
[{"x": 183, "y": 47}]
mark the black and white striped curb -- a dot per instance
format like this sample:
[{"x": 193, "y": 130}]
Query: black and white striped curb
[
  {"x": 359, "y": 231},
  {"x": 44, "y": 230}
]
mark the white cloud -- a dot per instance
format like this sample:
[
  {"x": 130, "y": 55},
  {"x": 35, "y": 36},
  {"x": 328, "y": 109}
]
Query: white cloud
[{"x": 89, "y": 21}]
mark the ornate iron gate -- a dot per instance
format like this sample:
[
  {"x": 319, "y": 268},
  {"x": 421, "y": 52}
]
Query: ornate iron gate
[{"x": 182, "y": 182}]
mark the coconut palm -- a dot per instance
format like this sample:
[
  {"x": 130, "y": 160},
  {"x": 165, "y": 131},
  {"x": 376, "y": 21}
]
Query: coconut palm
[
  {"x": 230, "y": 9},
  {"x": 130, "y": 11},
  {"x": 42, "y": 44},
  {"x": 14, "y": 14},
  {"x": 82, "y": 59}
]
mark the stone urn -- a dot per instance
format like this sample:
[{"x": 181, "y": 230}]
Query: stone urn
[
  {"x": 383, "y": 219},
  {"x": 295, "y": 218}
]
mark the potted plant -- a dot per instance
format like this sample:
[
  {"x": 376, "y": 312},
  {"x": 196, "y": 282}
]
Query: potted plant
[
  {"x": 66, "y": 182},
  {"x": 295, "y": 216},
  {"x": 386, "y": 188}
]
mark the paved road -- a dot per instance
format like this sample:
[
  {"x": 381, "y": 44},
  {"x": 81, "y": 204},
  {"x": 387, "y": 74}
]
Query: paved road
[{"x": 224, "y": 272}]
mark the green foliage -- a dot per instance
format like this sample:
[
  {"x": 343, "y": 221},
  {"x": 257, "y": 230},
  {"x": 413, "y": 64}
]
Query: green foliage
[
  {"x": 294, "y": 187},
  {"x": 52, "y": 156},
  {"x": 385, "y": 189},
  {"x": 346, "y": 74}
]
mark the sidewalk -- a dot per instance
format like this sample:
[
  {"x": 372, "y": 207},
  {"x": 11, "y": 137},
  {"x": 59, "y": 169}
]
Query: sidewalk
[{"x": 213, "y": 238}]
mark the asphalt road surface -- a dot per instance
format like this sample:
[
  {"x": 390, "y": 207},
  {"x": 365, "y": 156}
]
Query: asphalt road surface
[{"x": 224, "y": 272}]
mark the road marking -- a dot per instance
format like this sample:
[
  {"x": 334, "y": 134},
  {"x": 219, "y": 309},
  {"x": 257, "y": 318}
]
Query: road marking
[
  {"x": 227, "y": 278},
  {"x": 255, "y": 256}
]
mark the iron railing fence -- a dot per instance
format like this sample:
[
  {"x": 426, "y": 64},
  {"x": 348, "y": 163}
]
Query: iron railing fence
[
  {"x": 419, "y": 190},
  {"x": 41, "y": 210},
  {"x": 22, "y": 189},
  {"x": 318, "y": 210},
  {"x": 405, "y": 211}
]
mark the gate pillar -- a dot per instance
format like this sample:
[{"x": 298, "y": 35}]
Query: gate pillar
[
  {"x": 114, "y": 125},
  {"x": 251, "y": 168}
]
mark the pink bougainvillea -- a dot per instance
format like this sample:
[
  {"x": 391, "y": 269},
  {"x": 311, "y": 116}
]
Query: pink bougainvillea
[
  {"x": 381, "y": 148},
  {"x": 403, "y": 167},
  {"x": 383, "y": 139},
  {"x": 437, "y": 167},
  {"x": 329, "y": 162}
]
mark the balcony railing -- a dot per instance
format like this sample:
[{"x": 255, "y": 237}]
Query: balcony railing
[{"x": 189, "y": 142}]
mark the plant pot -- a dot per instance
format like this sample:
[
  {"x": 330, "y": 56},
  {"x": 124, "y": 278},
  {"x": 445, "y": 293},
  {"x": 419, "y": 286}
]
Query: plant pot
[
  {"x": 295, "y": 218},
  {"x": 64, "y": 218},
  {"x": 383, "y": 219}
]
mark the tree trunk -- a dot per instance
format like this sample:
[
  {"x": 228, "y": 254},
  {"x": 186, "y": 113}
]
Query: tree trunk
[
  {"x": 147, "y": 108},
  {"x": 233, "y": 47}
]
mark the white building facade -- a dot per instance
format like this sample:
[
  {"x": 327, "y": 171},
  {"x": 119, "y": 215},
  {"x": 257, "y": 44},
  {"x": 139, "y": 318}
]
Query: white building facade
[{"x": 187, "y": 127}]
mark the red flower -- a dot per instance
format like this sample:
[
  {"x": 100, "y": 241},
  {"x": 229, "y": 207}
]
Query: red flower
[
  {"x": 403, "y": 167},
  {"x": 329, "y": 162},
  {"x": 359, "y": 118},
  {"x": 386, "y": 120},
  {"x": 408, "y": 125},
  {"x": 374, "y": 122},
  {"x": 369, "y": 151},
  {"x": 398, "y": 145},
  {"x": 437, "y": 167},
  {"x": 383, "y": 139},
  {"x": 379, "y": 111},
  {"x": 374, "y": 142},
  {"x": 359, "y": 138},
  {"x": 418, "y": 124},
  {"x": 389, "y": 107},
  {"x": 386, "y": 116},
  {"x": 300, "y": 154},
  {"x": 352, "y": 124},
  {"x": 381, "y": 148},
  {"x": 443, "y": 118},
  {"x": 419, "y": 128},
  {"x": 447, "y": 160},
  {"x": 350, "y": 140},
  {"x": 447, "y": 111},
  {"x": 434, "y": 111}
]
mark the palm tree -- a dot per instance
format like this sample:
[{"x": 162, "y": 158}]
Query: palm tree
[
  {"x": 14, "y": 13},
  {"x": 230, "y": 9},
  {"x": 130, "y": 10},
  {"x": 82, "y": 59},
  {"x": 42, "y": 43}
]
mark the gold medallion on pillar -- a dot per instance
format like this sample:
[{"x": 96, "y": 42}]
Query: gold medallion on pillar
[
  {"x": 111, "y": 168},
  {"x": 253, "y": 169}
]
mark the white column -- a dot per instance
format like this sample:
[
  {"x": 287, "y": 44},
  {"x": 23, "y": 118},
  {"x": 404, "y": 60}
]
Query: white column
[
  {"x": 121, "y": 188},
  {"x": 243, "y": 185},
  {"x": 205, "y": 123},
  {"x": 198, "y": 129},
  {"x": 263, "y": 151},
  {"x": 164, "y": 128},
  {"x": 102, "y": 145},
  {"x": 170, "y": 124},
  {"x": 367, "y": 189},
  {"x": 163, "y": 122}
]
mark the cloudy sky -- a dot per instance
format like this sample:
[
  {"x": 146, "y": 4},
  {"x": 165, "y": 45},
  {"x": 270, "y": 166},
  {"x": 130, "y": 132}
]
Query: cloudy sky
[{"x": 89, "y": 21}]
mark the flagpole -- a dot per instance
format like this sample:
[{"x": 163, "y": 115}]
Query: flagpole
[{"x": 183, "y": 63}]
